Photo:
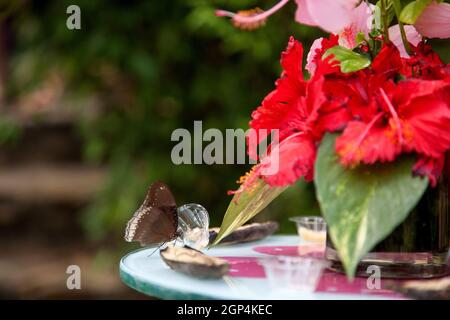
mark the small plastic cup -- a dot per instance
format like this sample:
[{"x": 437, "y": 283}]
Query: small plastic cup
[
  {"x": 311, "y": 230},
  {"x": 287, "y": 273}
]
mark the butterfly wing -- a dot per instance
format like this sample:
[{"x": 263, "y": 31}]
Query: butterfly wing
[
  {"x": 156, "y": 221},
  {"x": 159, "y": 195},
  {"x": 151, "y": 226}
]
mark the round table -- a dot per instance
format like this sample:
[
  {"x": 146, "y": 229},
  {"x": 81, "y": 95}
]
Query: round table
[{"x": 246, "y": 279}]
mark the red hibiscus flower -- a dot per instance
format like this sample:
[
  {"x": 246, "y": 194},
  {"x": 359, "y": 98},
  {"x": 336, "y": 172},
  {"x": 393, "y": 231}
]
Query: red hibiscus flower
[
  {"x": 302, "y": 111},
  {"x": 414, "y": 116},
  {"x": 430, "y": 167},
  {"x": 294, "y": 156},
  {"x": 424, "y": 63},
  {"x": 396, "y": 106},
  {"x": 279, "y": 106},
  {"x": 315, "y": 63},
  {"x": 290, "y": 160}
]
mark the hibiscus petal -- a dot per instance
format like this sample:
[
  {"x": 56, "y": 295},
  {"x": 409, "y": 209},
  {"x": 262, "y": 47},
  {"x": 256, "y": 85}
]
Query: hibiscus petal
[
  {"x": 434, "y": 22},
  {"x": 331, "y": 119},
  {"x": 279, "y": 105},
  {"x": 361, "y": 19},
  {"x": 330, "y": 15},
  {"x": 302, "y": 14},
  {"x": 425, "y": 64},
  {"x": 326, "y": 106},
  {"x": 271, "y": 114},
  {"x": 290, "y": 160},
  {"x": 426, "y": 125},
  {"x": 315, "y": 98},
  {"x": 310, "y": 59},
  {"x": 387, "y": 62},
  {"x": 291, "y": 60},
  {"x": 315, "y": 55},
  {"x": 411, "y": 89},
  {"x": 366, "y": 143},
  {"x": 411, "y": 34},
  {"x": 430, "y": 167},
  {"x": 420, "y": 115},
  {"x": 360, "y": 103}
]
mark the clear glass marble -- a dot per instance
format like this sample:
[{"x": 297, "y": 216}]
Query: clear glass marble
[{"x": 193, "y": 225}]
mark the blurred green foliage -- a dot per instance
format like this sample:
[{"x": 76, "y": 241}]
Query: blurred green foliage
[
  {"x": 9, "y": 131},
  {"x": 157, "y": 66}
]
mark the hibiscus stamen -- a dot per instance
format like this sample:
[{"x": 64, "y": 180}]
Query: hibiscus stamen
[
  {"x": 394, "y": 114},
  {"x": 364, "y": 134},
  {"x": 247, "y": 181},
  {"x": 251, "y": 19}
]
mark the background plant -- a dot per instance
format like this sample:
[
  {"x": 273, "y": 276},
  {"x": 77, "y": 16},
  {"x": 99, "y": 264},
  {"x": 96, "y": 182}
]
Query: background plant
[
  {"x": 154, "y": 66},
  {"x": 150, "y": 67}
]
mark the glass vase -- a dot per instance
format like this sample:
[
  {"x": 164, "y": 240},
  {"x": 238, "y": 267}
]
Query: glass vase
[{"x": 419, "y": 247}]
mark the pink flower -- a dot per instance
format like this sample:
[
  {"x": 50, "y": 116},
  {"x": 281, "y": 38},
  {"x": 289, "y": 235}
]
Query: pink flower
[
  {"x": 434, "y": 22},
  {"x": 361, "y": 19},
  {"x": 334, "y": 16},
  {"x": 411, "y": 34},
  {"x": 330, "y": 15}
]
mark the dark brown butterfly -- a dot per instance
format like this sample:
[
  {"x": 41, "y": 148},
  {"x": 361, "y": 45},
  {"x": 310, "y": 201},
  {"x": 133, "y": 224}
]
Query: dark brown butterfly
[{"x": 156, "y": 221}]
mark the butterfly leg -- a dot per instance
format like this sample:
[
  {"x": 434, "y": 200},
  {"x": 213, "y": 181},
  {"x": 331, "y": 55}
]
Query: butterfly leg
[{"x": 157, "y": 248}]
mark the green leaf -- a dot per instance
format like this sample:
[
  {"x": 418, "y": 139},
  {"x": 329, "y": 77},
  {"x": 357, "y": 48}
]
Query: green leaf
[
  {"x": 360, "y": 38},
  {"x": 362, "y": 206},
  {"x": 246, "y": 205},
  {"x": 350, "y": 61},
  {"x": 377, "y": 14},
  {"x": 413, "y": 10}
]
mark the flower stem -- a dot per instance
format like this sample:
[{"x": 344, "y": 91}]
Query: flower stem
[
  {"x": 398, "y": 10},
  {"x": 369, "y": 48},
  {"x": 384, "y": 18},
  {"x": 251, "y": 19}
]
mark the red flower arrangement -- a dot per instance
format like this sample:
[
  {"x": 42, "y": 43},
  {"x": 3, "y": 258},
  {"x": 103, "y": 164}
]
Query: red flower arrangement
[
  {"x": 371, "y": 121},
  {"x": 398, "y": 105}
]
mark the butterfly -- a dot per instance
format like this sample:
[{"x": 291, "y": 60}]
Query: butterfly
[{"x": 156, "y": 220}]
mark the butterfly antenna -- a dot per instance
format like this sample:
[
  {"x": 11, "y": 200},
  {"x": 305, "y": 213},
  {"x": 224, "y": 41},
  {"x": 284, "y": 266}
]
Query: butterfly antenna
[{"x": 157, "y": 248}]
